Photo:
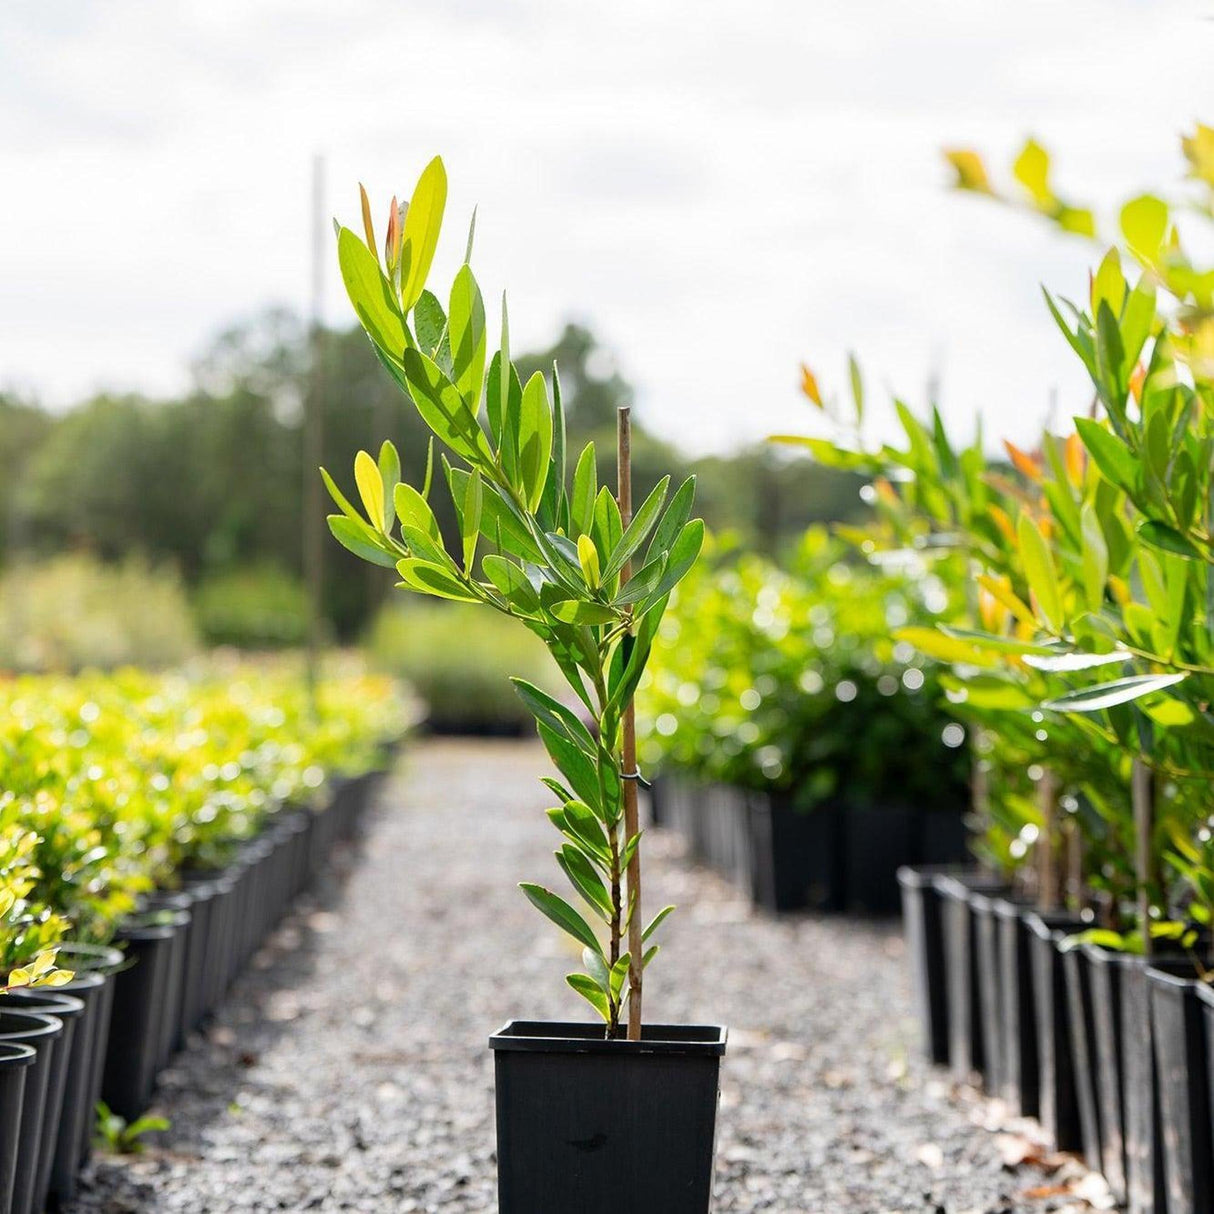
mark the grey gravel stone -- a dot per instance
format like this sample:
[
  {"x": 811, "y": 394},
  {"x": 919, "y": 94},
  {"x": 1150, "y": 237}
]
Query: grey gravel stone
[{"x": 349, "y": 1070}]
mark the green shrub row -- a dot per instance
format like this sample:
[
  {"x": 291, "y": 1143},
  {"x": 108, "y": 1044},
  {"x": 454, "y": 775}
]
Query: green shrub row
[
  {"x": 113, "y": 784},
  {"x": 785, "y": 677}
]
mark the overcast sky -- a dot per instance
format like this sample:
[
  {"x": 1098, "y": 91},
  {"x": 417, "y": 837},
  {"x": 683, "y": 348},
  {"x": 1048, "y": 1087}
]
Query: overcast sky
[{"x": 719, "y": 190}]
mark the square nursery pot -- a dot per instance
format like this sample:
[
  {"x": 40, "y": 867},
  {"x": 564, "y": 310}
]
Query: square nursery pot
[
  {"x": 965, "y": 1046},
  {"x": 43, "y": 1033},
  {"x": 1182, "y": 1067},
  {"x": 796, "y": 855},
  {"x": 877, "y": 841},
  {"x": 1018, "y": 1020},
  {"x": 1105, "y": 968},
  {"x": 15, "y": 1061},
  {"x": 1077, "y": 971},
  {"x": 1145, "y": 1189},
  {"x": 591, "y": 1126},
  {"x": 990, "y": 991},
  {"x": 1059, "y": 1105},
  {"x": 1205, "y": 996},
  {"x": 923, "y": 929}
]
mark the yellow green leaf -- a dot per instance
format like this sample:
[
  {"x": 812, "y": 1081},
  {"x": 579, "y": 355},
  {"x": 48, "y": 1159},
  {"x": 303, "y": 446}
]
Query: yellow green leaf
[
  {"x": 370, "y": 488},
  {"x": 423, "y": 222}
]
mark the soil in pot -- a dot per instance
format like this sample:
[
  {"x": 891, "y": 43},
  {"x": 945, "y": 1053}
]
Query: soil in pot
[
  {"x": 69, "y": 1009},
  {"x": 1018, "y": 1021},
  {"x": 1059, "y": 1106},
  {"x": 593, "y": 1126},
  {"x": 16, "y": 1060},
  {"x": 1184, "y": 1086},
  {"x": 43, "y": 1033}
]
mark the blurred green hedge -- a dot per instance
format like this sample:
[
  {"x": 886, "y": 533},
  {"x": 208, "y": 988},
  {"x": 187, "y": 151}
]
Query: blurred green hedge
[
  {"x": 787, "y": 679},
  {"x": 458, "y": 659}
]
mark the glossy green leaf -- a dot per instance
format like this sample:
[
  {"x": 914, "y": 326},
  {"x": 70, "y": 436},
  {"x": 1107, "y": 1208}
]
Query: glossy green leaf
[
  {"x": 562, "y": 914},
  {"x": 584, "y": 879},
  {"x": 1095, "y": 557},
  {"x": 637, "y": 531},
  {"x": 469, "y": 337},
  {"x": 371, "y": 295},
  {"x": 591, "y": 992},
  {"x": 1119, "y": 691},
  {"x": 358, "y": 538},
  {"x": 1039, "y": 570},
  {"x": 585, "y": 490},
  {"x": 444, "y": 410},
  {"x": 423, "y": 222},
  {"x": 432, "y": 579},
  {"x": 1160, "y": 535},
  {"x": 534, "y": 439}
]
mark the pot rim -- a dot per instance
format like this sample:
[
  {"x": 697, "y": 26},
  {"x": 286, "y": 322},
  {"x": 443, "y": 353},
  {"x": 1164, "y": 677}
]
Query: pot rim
[
  {"x": 44, "y": 1025},
  {"x": 50, "y": 1003},
  {"x": 101, "y": 958},
  {"x": 567, "y": 1037},
  {"x": 16, "y": 1053}
]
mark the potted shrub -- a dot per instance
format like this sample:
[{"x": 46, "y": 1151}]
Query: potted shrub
[{"x": 581, "y": 1108}]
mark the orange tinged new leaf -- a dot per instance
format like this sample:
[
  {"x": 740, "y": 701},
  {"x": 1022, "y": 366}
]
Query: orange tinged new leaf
[
  {"x": 886, "y": 492},
  {"x": 1074, "y": 458},
  {"x": 392, "y": 240},
  {"x": 1000, "y": 588},
  {"x": 368, "y": 226},
  {"x": 1138, "y": 377},
  {"x": 1004, "y": 523},
  {"x": 991, "y": 612},
  {"x": 809, "y": 385},
  {"x": 1025, "y": 464}
]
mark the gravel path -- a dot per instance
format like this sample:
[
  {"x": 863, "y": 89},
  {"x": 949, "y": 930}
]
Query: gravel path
[{"x": 349, "y": 1071}]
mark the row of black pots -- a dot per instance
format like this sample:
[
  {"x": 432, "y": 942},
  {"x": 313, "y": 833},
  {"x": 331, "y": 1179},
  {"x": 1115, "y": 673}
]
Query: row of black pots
[
  {"x": 1112, "y": 1053},
  {"x": 106, "y": 1035},
  {"x": 835, "y": 857}
]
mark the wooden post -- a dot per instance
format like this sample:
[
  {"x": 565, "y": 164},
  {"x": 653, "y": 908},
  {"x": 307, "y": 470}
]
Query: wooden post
[
  {"x": 1142, "y": 799},
  {"x": 1047, "y": 845},
  {"x": 636, "y": 946}
]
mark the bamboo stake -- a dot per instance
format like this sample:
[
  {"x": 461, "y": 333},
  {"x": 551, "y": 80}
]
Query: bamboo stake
[
  {"x": 1047, "y": 858},
  {"x": 1142, "y": 797},
  {"x": 636, "y": 946}
]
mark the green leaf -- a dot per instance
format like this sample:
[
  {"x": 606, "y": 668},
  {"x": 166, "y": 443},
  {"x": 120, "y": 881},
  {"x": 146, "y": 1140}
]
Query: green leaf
[
  {"x": 587, "y": 829},
  {"x": 370, "y": 489},
  {"x": 577, "y": 611},
  {"x": 573, "y": 763},
  {"x": 642, "y": 583},
  {"x": 585, "y": 490},
  {"x": 534, "y": 439},
  {"x": 562, "y": 914},
  {"x": 1144, "y": 224},
  {"x": 1063, "y": 663},
  {"x": 1114, "y": 459},
  {"x": 674, "y": 520},
  {"x": 432, "y": 579},
  {"x": 512, "y": 584},
  {"x": 655, "y": 922},
  {"x": 1160, "y": 535},
  {"x": 358, "y": 538},
  {"x": 1095, "y": 557},
  {"x": 637, "y": 531},
  {"x": 389, "y": 475},
  {"x": 339, "y": 498},
  {"x": 1119, "y": 691},
  {"x": 608, "y": 528},
  {"x": 683, "y": 554},
  {"x": 470, "y": 519},
  {"x": 371, "y": 295},
  {"x": 590, "y": 991},
  {"x": 857, "y": 387},
  {"x": 444, "y": 410},
  {"x": 433, "y": 334},
  {"x": 423, "y": 222},
  {"x": 414, "y": 511},
  {"x": 469, "y": 337},
  {"x": 554, "y": 714},
  {"x": 1039, "y": 570},
  {"x": 584, "y": 879},
  {"x": 1032, "y": 169}
]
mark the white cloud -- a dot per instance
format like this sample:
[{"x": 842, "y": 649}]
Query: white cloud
[{"x": 721, "y": 190}]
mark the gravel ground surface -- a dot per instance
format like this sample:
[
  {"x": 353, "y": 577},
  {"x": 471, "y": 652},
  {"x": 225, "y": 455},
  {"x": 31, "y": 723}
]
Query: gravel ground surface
[{"x": 349, "y": 1070}]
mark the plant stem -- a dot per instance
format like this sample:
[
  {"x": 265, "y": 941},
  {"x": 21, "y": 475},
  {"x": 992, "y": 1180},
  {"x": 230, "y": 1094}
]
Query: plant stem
[
  {"x": 636, "y": 945},
  {"x": 1047, "y": 855},
  {"x": 1142, "y": 796}
]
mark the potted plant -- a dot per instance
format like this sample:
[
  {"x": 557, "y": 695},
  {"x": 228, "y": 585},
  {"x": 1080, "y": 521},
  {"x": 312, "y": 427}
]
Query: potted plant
[{"x": 581, "y": 1108}]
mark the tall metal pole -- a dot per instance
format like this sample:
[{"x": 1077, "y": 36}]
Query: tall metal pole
[
  {"x": 636, "y": 945},
  {"x": 313, "y": 444}
]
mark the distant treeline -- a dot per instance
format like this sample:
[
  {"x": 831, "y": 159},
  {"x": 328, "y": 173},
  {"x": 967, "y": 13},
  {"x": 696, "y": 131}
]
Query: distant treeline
[{"x": 214, "y": 481}]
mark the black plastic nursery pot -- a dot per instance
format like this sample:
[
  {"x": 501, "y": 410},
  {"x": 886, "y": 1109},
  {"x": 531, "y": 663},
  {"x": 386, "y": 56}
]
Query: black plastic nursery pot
[
  {"x": 990, "y": 990},
  {"x": 141, "y": 999},
  {"x": 1146, "y": 1192},
  {"x": 591, "y": 1126},
  {"x": 1205, "y": 997},
  {"x": 1058, "y": 1109},
  {"x": 1182, "y": 1067},
  {"x": 796, "y": 855},
  {"x": 1104, "y": 975},
  {"x": 724, "y": 823},
  {"x": 15, "y": 1063},
  {"x": 69, "y": 1010},
  {"x": 106, "y": 961},
  {"x": 180, "y": 917},
  {"x": 77, "y": 1116},
  {"x": 878, "y": 840},
  {"x": 923, "y": 930},
  {"x": 965, "y": 1047},
  {"x": 1018, "y": 1022},
  {"x": 1076, "y": 970},
  {"x": 42, "y": 1033}
]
